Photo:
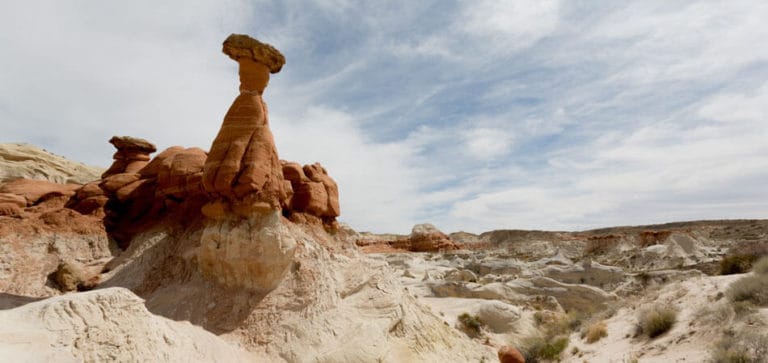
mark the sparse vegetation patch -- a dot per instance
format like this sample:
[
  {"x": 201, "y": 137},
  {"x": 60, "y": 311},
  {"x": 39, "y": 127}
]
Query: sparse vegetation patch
[
  {"x": 656, "y": 321},
  {"x": 745, "y": 347},
  {"x": 751, "y": 288},
  {"x": 470, "y": 323},
  {"x": 595, "y": 332},
  {"x": 541, "y": 347}
]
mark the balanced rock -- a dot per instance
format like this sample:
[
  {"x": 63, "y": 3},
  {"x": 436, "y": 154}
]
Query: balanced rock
[
  {"x": 243, "y": 159},
  {"x": 131, "y": 156}
]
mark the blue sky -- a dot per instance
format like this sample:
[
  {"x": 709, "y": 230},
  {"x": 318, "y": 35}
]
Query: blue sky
[{"x": 471, "y": 115}]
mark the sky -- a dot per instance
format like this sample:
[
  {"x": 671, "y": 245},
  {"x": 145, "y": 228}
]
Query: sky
[{"x": 470, "y": 115}]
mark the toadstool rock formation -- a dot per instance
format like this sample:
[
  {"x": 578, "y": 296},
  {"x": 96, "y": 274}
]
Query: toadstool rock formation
[
  {"x": 243, "y": 159},
  {"x": 132, "y": 155},
  {"x": 245, "y": 244}
]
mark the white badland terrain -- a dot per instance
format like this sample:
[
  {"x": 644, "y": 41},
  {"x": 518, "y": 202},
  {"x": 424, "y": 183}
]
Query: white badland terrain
[{"x": 233, "y": 255}]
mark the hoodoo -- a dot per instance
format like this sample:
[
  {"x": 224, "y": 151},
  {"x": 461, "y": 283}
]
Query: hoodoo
[{"x": 243, "y": 170}]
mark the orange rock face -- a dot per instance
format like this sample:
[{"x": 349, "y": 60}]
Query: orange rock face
[
  {"x": 132, "y": 155},
  {"x": 136, "y": 198},
  {"x": 243, "y": 159},
  {"x": 34, "y": 190},
  {"x": 314, "y": 192}
]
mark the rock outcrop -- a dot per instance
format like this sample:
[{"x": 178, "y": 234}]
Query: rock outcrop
[
  {"x": 33, "y": 191},
  {"x": 423, "y": 238},
  {"x": 31, "y": 162},
  {"x": 243, "y": 166},
  {"x": 105, "y": 326},
  {"x": 132, "y": 155},
  {"x": 312, "y": 191}
]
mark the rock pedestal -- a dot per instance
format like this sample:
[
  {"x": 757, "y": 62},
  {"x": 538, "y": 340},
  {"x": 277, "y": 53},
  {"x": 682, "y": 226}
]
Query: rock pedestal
[
  {"x": 244, "y": 243},
  {"x": 132, "y": 155},
  {"x": 243, "y": 159}
]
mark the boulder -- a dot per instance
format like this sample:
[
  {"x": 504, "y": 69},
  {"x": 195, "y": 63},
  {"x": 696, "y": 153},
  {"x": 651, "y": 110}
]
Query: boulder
[
  {"x": 499, "y": 317},
  {"x": 427, "y": 238},
  {"x": 508, "y": 354}
]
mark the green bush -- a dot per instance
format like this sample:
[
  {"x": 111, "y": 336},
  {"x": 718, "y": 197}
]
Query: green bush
[
  {"x": 751, "y": 288},
  {"x": 471, "y": 323},
  {"x": 539, "y": 347},
  {"x": 656, "y": 320}
]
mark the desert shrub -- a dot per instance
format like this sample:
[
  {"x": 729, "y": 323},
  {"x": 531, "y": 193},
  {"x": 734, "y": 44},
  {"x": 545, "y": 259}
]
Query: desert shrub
[
  {"x": 761, "y": 266},
  {"x": 743, "y": 308},
  {"x": 595, "y": 332},
  {"x": 718, "y": 314},
  {"x": 552, "y": 323},
  {"x": 736, "y": 263},
  {"x": 471, "y": 323},
  {"x": 745, "y": 347},
  {"x": 751, "y": 288},
  {"x": 656, "y": 320},
  {"x": 539, "y": 347}
]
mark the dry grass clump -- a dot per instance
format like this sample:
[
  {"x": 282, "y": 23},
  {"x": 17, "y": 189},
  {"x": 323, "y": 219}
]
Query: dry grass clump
[
  {"x": 555, "y": 328},
  {"x": 744, "y": 347},
  {"x": 718, "y": 314},
  {"x": 595, "y": 332},
  {"x": 656, "y": 320},
  {"x": 761, "y": 266},
  {"x": 751, "y": 288}
]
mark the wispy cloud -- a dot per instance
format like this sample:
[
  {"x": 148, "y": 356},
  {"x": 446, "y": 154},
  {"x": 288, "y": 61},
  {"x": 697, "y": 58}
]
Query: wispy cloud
[{"x": 470, "y": 115}]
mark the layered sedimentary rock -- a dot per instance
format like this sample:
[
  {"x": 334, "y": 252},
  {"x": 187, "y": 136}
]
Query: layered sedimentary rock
[
  {"x": 132, "y": 155},
  {"x": 171, "y": 182},
  {"x": 243, "y": 159},
  {"x": 244, "y": 243},
  {"x": 423, "y": 238},
  {"x": 31, "y": 162}
]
